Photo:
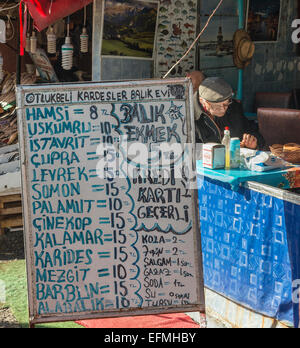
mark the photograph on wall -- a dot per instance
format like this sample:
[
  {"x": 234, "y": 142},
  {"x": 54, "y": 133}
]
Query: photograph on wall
[
  {"x": 129, "y": 28},
  {"x": 216, "y": 45},
  {"x": 263, "y": 20}
]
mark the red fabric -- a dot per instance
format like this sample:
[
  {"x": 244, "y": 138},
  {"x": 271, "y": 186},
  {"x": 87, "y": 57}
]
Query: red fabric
[
  {"x": 45, "y": 12},
  {"x": 40, "y": 6},
  {"x": 162, "y": 321},
  {"x": 21, "y": 29}
]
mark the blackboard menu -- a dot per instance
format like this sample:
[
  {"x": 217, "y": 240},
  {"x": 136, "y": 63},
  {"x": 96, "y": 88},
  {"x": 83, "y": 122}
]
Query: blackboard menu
[{"x": 111, "y": 217}]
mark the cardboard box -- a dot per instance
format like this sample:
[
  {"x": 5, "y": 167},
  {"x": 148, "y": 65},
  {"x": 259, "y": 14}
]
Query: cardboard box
[{"x": 214, "y": 156}]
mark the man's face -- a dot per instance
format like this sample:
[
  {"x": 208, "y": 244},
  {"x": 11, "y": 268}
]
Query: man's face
[{"x": 216, "y": 109}]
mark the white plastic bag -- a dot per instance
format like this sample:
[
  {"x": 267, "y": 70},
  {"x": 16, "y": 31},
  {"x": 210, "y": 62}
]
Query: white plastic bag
[{"x": 262, "y": 161}]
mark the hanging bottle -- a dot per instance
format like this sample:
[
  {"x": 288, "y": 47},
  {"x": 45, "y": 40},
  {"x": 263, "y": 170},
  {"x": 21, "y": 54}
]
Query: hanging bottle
[
  {"x": 51, "y": 41},
  {"x": 226, "y": 142},
  {"x": 84, "y": 38},
  {"x": 67, "y": 50},
  {"x": 33, "y": 43},
  {"x": 67, "y": 54},
  {"x": 28, "y": 43},
  {"x": 84, "y": 41}
]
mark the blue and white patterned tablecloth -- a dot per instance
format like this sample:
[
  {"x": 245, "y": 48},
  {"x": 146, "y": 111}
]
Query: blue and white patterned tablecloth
[
  {"x": 251, "y": 247},
  {"x": 281, "y": 178}
]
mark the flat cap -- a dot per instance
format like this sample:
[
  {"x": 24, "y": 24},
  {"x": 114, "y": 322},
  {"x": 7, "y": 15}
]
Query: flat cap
[{"x": 215, "y": 90}]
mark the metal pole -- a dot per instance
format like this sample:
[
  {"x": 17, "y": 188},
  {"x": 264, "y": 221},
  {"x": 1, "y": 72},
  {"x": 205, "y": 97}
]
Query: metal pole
[
  {"x": 240, "y": 72},
  {"x": 98, "y": 13}
]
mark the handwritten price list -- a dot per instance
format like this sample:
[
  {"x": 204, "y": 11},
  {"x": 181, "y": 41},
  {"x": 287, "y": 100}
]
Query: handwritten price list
[{"x": 108, "y": 229}]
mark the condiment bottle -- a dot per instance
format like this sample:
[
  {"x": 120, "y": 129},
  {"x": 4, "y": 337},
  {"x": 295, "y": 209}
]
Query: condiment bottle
[{"x": 226, "y": 142}]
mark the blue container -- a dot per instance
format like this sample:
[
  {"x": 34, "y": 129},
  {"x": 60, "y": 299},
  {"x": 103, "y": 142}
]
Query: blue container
[{"x": 235, "y": 153}]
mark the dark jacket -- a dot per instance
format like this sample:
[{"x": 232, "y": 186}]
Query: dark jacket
[{"x": 212, "y": 131}]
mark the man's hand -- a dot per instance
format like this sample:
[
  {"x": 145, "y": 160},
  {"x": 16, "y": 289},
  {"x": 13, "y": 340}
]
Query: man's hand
[{"x": 249, "y": 141}]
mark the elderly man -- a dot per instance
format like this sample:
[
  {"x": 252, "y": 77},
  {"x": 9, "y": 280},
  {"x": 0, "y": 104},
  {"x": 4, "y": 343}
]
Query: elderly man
[{"x": 215, "y": 109}]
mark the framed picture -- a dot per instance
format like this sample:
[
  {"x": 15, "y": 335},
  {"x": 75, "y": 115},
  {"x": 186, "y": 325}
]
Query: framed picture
[
  {"x": 129, "y": 28},
  {"x": 263, "y": 17},
  {"x": 216, "y": 43}
]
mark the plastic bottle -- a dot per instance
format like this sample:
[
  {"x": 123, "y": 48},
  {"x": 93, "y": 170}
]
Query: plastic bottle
[
  {"x": 28, "y": 43},
  {"x": 67, "y": 54},
  {"x": 33, "y": 43},
  {"x": 84, "y": 41},
  {"x": 226, "y": 142},
  {"x": 51, "y": 41}
]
